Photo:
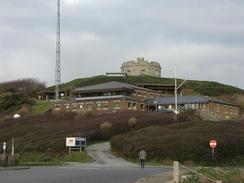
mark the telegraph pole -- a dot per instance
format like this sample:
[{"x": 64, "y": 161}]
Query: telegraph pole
[
  {"x": 58, "y": 54},
  {"x": 176, "y": 94}
]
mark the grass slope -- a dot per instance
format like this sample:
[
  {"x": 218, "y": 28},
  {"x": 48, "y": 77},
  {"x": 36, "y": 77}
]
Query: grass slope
[
  {"x": 40, "y": 107},
  {"x": 202, "y": 87}
]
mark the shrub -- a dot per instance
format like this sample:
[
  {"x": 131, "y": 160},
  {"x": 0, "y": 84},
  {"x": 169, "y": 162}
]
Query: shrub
[
  {"x": 11, "y": 101},
  {"x": 106, "y": 126},
  {"x": 132, "y": 122},
  {"x": 185, "y": 141},
  {"x": 106, "y": 129}
]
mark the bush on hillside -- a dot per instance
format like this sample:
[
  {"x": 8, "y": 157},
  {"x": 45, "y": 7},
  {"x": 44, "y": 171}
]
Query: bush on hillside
[
  {"x": 132, "y": 122},
  {"x": 13, "y": 101},
  {"x": 189, "y": 115},
  {"x": 188, "y": 141},
  {"x": 28, "y": 87}
]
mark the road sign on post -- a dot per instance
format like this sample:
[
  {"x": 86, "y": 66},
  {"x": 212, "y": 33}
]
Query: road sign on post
[
  {"x": 75, "y": 143},
  {"x": 213, "y": 144}
]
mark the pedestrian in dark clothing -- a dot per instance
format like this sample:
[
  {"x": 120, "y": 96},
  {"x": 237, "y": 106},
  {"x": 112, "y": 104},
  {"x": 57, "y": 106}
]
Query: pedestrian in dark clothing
[{"x": 142, "y": 158}]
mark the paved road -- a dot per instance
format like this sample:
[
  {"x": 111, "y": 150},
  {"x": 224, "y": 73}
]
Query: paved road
[
  {"x": 101, "y": 153},
  {"x": 77, "y": 174},
  {"x": 105, "y": 169}
]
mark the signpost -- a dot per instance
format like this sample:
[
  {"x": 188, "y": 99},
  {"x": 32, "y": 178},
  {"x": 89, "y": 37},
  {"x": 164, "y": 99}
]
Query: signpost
[
  {"x": 213, "y": 144},
  {"x": 75, "y": 143}
]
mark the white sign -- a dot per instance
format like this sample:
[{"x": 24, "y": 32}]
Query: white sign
[
  {"x": 70, "y": 142},
  {"x": 4, "y": 146}
]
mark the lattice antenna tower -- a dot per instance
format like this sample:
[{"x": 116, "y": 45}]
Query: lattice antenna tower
[{"x": 58, "y": 54}]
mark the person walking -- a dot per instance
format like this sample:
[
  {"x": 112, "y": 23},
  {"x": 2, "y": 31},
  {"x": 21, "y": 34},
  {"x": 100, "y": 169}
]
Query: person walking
[{"x": 142, "y": 157}]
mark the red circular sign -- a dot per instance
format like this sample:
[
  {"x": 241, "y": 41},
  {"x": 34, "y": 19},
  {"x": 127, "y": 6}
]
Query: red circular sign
[{"x": 213, "y": 144}]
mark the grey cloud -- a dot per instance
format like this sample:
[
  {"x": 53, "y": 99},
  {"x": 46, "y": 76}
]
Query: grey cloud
[{"x": 98, "y": 35}]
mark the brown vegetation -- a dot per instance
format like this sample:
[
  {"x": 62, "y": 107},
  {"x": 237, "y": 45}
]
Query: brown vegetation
[
  {"x": 185, "y": 141},
  {"x": 40, "y": 133}
]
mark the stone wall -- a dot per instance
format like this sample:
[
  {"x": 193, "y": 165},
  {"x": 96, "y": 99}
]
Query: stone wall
[{"x": 141, "y": 67}]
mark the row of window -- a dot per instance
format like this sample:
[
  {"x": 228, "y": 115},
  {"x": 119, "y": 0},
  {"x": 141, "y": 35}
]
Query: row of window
[
  {"x": 102, "y": 105},
  {"x": 195, "y": 106},
  {"x": 133, "y": 105},
  {"x": 90, "y": 105}
]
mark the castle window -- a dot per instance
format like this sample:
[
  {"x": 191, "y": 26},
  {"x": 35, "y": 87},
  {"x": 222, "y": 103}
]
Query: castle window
[
  {"x": 143, "y": 70},
  {"x": 128, "y": 71}
]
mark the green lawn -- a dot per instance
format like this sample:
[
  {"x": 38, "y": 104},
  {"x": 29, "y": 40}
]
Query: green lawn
[
  {"x": 36, "y": 158},
  {"x": 40, "y": 107}
]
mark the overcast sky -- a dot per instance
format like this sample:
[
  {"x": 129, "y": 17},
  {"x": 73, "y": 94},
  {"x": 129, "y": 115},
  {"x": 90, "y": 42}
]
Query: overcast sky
[{"x": 204, "y": 38}]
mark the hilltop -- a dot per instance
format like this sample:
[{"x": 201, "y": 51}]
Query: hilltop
[{"x": 201, "y": 87}]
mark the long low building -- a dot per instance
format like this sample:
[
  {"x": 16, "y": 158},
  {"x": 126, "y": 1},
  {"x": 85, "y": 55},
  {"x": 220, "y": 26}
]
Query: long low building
[
  {"x": 110, "y": 96},
  {"x": 208, "y": 108},
  {"x": 117, "y": 96}
]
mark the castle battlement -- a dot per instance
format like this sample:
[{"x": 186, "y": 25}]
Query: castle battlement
[{"x": 140, "y": 66}]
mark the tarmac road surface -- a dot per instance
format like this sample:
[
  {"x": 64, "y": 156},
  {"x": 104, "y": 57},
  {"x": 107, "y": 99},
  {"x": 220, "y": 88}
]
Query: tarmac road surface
[
  {"x": 77, "y": 174},
  {"x": 106, "y": 168}
]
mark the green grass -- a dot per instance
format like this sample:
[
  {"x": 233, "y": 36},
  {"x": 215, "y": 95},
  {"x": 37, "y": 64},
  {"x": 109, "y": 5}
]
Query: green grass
[
  {"x": 36, "y": 158},
  {"x": 40, "y": 107}
]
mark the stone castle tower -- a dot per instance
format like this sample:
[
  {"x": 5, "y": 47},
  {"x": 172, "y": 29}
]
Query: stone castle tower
[{"x": 141, "y": 67}]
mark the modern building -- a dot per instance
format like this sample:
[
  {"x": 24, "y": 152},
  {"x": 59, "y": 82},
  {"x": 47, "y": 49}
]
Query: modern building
[
  {"x": 141, "y": 67},
  {"x": 111, "y": 96},
  {"x": 208, "y": 108}
]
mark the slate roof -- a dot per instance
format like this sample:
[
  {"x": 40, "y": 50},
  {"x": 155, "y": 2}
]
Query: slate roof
[
  {"x": 114, "y": 85},
  {"x": 186, "y": 100}
]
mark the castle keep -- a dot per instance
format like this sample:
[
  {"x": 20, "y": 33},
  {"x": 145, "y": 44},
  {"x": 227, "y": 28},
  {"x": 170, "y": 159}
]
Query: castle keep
[{"x": 141, "y": 67}]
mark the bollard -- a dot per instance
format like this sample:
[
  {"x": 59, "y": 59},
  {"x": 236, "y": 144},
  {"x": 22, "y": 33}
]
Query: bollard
[
  {"x": 176, "y": 173},
  {"x": 3, "y": 160}
]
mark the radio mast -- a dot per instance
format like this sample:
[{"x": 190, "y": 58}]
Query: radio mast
[{"x": 58, "y": 54}]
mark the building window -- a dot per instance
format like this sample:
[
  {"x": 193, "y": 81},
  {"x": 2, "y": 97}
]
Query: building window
[
  {"x": 134, "y": 106},
  {"x": 89, "y": 106},
  {"x": 218, "y": 107},
  {"x": 204, "y": 106},
  {"x": 116, "y": 105},
  {"x": 226, "y": 108},
  {"x": 197, "y": 106},
  {"x": 142, "y": 106},
  {"x": 105, "y": 105},
  {"x": 99, "y": 105},
  {"x": 128, "y": 70},
  {"x": 129, "y": 105}
]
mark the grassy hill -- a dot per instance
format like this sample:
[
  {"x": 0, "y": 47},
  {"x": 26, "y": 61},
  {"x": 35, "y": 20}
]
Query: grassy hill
[{"x": 201, "y": 87}]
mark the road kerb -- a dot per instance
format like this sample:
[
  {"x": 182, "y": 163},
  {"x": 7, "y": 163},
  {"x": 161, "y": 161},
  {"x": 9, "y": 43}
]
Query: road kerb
[{"x": 14, "y": 168}]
